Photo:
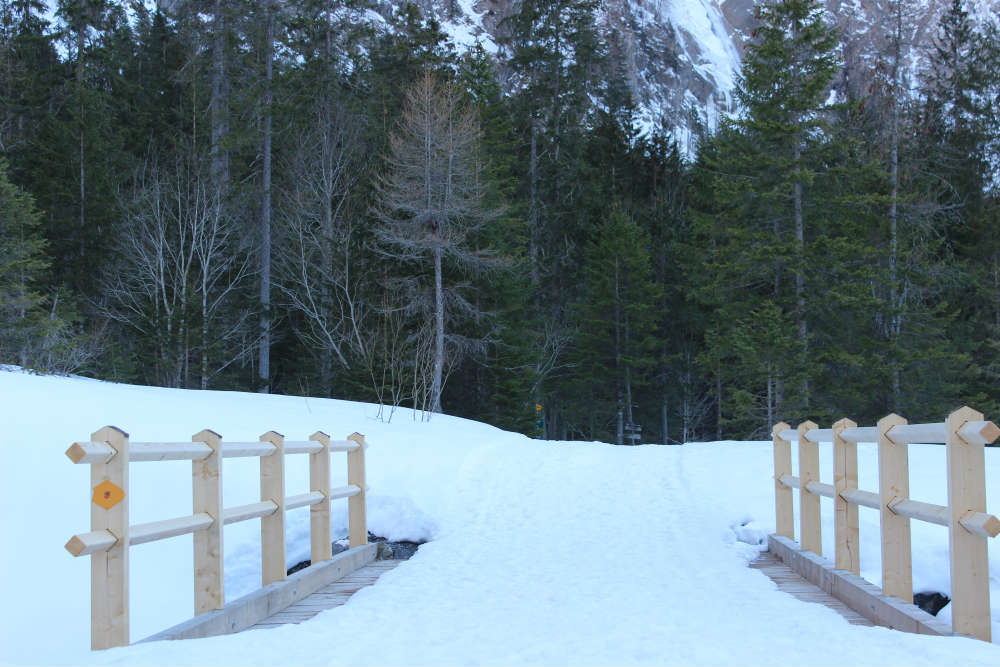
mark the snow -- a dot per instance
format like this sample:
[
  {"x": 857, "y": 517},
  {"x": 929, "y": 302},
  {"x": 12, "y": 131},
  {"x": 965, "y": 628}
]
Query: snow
[
  {"x": 466, "y": 29},
  {"x": 539, "y": 552},
  {"x": 702, "y": 20}
]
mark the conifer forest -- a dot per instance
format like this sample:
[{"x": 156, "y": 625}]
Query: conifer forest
[{"x": 272, "y": 196}]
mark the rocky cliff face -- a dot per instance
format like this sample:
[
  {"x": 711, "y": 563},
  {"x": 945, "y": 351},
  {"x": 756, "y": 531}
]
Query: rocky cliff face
[{"x": 682, "y": 57}]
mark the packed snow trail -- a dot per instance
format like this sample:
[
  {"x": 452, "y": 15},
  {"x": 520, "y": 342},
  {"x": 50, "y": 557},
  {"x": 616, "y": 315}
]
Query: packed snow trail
[{"x": 542, "y": 552}]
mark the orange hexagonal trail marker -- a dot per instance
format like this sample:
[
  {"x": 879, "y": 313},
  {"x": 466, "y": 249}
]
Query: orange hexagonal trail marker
[{"x": 108, "y": 494}]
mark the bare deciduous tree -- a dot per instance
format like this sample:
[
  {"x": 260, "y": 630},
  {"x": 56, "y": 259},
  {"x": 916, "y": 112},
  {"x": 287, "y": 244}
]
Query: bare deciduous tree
[
  {"x": 432, "y": 204},
  {"x": 178, "y": 269},
  {"x": 315, "y": 263}
]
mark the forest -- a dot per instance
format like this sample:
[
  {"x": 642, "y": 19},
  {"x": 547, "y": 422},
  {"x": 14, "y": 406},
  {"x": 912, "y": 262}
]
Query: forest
[{"x": 282, "y": 197}]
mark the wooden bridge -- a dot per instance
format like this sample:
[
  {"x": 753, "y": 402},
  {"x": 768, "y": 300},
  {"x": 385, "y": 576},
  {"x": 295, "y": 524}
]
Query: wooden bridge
[
  {"x": 964, "y": 434},
  {"x": 330, "y": 579}
]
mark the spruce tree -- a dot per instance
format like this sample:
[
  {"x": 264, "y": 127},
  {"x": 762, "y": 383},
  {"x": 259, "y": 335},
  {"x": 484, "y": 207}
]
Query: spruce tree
[
  {"x": 760, "y": 210},
  {"x": 615, "y": 345},
  {"x": 554, "y": 58}
]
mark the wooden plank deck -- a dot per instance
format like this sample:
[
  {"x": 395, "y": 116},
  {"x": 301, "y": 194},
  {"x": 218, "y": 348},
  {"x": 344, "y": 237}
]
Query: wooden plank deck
[
  {"x": 790, "y": 582},
  {"x": 331, "y": 596}
]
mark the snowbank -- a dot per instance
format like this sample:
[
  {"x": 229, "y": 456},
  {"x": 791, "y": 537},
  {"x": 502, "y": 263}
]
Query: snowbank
[{"x": 541, "y": 552}]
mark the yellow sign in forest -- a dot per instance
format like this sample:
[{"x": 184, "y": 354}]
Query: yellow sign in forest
[{"x": 108, "y": 494}]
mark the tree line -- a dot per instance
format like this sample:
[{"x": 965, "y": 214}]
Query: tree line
[{"x": 284, "y": 197}]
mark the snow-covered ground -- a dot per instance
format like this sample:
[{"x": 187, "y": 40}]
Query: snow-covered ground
[{"x": 540, "y": 552}]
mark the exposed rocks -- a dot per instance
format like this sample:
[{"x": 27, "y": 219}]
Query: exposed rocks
[
  {"x": 930, "y": 601},
  {"x": 386, "y": 550}
]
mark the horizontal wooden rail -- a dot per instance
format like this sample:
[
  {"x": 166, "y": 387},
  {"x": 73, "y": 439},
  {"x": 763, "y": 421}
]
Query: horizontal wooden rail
[
  {"x": 348, "y": 491},
  {"x": 109, "y": 452},
  {"x": 161, "y": 530},
  {"x": 791, "y": 481},
  {"x": 102, "y": 540},
  {"x": 304, "y": 447},
  {"x": 303, "y": 500},
  {"x": 820, "y": 489},
  {"x": 914, "y": 509},
  {"x": 238, "y": 450},
  {"x": 855, "y": 496},
  {"x": 101, "y": 452},
  {"x": 974, "y": 433},
  {"x": 981, "y": 523},
  {"x": 91, "y": 543},
  {"x": 247, "y": 512},
  {"x": 863, "y": 498},
  {"x": 964, "y": 433}
]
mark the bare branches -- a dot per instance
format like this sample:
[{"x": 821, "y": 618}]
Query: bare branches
[
  {"x": 431, "y": 208},
  {"x": 315, "y": 262},
  {"x": 178, "y": 267}
]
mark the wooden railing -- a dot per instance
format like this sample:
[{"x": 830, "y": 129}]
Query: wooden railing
[
  {"x": 109, "y": 452},
  {"x": 969, "y": 526}
]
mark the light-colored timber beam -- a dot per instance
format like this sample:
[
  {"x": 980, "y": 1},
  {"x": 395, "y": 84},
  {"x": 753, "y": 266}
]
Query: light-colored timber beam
[
  {"x": 820, "y": 489},
  {"x": 303, "y": 500},
  {"x": 981, "y": 523},
  {"x": 973, "y": 432},
  {"x": 91, "y": 543},
  {"x": 343, "y": 445},
  {"x": 235, "y": 450},
  {"x": 914, "y": 509},
  {"x": 344, "y": 491},
  {"x": 247, "y": 512},
  {"x": 161, "y": 530},
  {"x": 791, "y": 481},
  {"x": 302, "y": 447},
  {"x": 863, "y": 498}
]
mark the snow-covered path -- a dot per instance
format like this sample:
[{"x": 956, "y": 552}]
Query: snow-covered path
[{"x": 542, "y": 553}]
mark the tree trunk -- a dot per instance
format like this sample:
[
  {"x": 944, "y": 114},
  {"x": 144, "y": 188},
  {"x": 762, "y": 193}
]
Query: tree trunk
[
  {"x": 718, "y": 403},
  {"x": 220, "y": 101},
  {"x": 533, "y": 207},
  {"x": 204, "y": 334},
  {"x": 895, "y": 304},
  {"x": 663, "y": 421},
  {"x": 82, "y": 214},
  {"x": 438, "y": 335},
  {"x": 800, "y": 289},
  {"x": 265, "y": 241}
]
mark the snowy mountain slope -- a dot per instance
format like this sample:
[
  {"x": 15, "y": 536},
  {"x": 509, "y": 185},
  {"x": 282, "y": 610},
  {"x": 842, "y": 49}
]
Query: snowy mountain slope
[
  {"x": 683, "y": 56},
  {"x": 541, "y": 552}
]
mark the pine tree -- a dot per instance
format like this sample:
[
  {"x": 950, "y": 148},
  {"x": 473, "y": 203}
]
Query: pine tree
[
  {"x": 22, "y": 267},
  {"x": 615, "y": 346},
  {"x": 35, "y": 331},
  {"x": 959, "y": 133},
  {"x": 554, "y": 56}
]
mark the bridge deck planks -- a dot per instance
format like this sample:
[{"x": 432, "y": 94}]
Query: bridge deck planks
[
  {"x": 790, "y": 582},
  {"x": 334, "y": 595}
]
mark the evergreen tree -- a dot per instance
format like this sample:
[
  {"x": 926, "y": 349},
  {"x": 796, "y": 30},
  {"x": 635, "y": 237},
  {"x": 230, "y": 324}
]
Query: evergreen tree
[
  {"x": 33, "y": 333},
  {"x": 554, "y": 58},
  {"x": 615, "y": 346},
  {"x": 764, "y": 208},
  {"x": 957, "y": 136}
]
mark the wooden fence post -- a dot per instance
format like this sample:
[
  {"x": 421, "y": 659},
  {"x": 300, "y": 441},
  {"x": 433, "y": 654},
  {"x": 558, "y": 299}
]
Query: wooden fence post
[
  {"x": 109, "y": 608},
  {"x": 272, "y": 527},
  {"x": 206, "y": 485},
  {"x": 358, "y": 525},
  {"x": 894, "y": 484},
  {"x": 810, "y": 526},
  {"x": 970, "y": 584},
  {"x": 319, "y": 514},
  {"x": 845, "y": 476},
  {"x": 783, "y": 508}
]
